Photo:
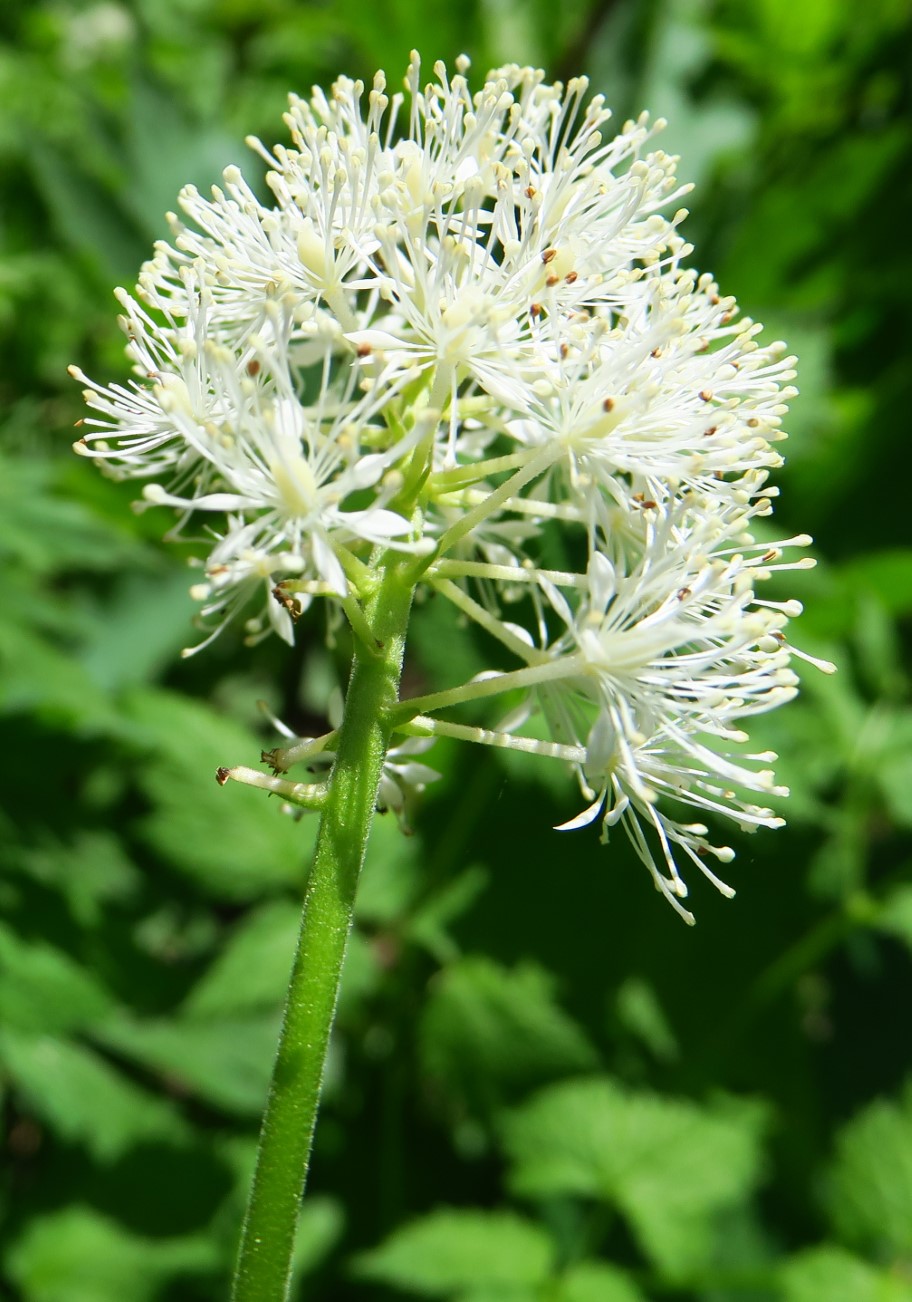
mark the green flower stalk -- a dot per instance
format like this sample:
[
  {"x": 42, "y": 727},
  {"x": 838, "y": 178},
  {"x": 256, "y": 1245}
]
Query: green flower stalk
[{"x": 463, "y": 328}]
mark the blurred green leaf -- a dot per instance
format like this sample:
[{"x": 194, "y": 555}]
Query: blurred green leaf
[
  {"x": 320, "y": 1225},
  {"x": 225, "y": 1062},
  {"x": 895, "y": 915},
  {"x": 885, "y": 576},
  {"x": 145, "y": 624},
  {"x": 167, "y": 149},
  {"x": 430, "y": 922},
  {"x": 593, "y": 1281},
  {"x": 454, "y": 1251},
  {"x": 891, "y": 765},
  {"x": 93, "y": 872},
  {"x": 256, "y": 848},
  {"x": 77, "y": 1255},
  {"x": 391, "y": 877},
  {"x": 640, "y": 1012},
  {"x": 488, "y": 1030},
  {"x": 43, "y": 531},
  {"x": 46, "y": 681},
  {"x": 42, "y": 988},
  {"x": 668, "y": 1165},
  {"x": 870, "y": 1185},
  {"x": 86, "y": 215},
  {"x": 251, "y": 970},
  {"x": 82, "y": 1097},
  {"x": 832, "y": 1273}
]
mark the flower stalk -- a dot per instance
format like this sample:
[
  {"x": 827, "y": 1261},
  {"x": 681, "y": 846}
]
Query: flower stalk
[{"x": 286, "y": 1137}]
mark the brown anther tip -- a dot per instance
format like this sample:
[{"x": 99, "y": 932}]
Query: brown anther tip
[
  {"x": 656, "y": 352},
  {"x": 726, "y": 317},
  {"x": 571, "y": 278},
  {"x": 608, "y": 404},
  {"x": 222, "y": 775},
  {"x": 78, "y": 423},
  {"x": 253, "y": 367},
  {"x": 535, "y": 309},
  {"x": 780, "y": 637},
  {"x": 530, "y": 192},
  {"x": 649, "y": 505},
  {"x": 564, "y": 351},
  {"x": 753, "y": 422},
  {"x": 287, "y": 600},
  {"x": 364, "y": 350},
  {"x": 683, "y": 593},
  {"x": 638, "y": 497},
  {"x": 706, "y": 395},
  {"x": 770, "y": 555},
  {"x": 548, "y": 256},
  {"x": 715, "y": 300},
  {"x": 552, "y": 281},
  {"x": 708, "y": 433}
]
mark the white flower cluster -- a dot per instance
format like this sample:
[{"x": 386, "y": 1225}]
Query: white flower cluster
[{"x": 463, "y": 330}]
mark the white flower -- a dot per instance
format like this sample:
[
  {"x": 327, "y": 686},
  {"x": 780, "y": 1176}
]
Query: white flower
[
  {"x": 463, "y": 329},
  {"x": 665, "y": 659},
  {"x": 675, "y": 392}
]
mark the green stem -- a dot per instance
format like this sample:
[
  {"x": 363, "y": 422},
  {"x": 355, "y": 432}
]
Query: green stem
[{"x": 283, "y": 1156}]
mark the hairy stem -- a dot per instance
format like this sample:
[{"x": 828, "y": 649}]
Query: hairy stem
[{"x": 264, "y": 1261}]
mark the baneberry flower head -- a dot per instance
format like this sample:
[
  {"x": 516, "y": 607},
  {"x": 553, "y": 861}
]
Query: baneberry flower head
[{"x": 462, "y": 330}]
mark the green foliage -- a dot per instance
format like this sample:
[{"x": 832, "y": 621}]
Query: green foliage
[
  {"x": 670, "y": 1167},
  {"x": 542, "y": 1088},
  {"x": 836, "y": 1275},
  {"x": 465, "y": 1254},
  {"x": 78, "y": 1256},
  {"x": 871, "y": 1179},
  {"x": 489, "y": 1033}
]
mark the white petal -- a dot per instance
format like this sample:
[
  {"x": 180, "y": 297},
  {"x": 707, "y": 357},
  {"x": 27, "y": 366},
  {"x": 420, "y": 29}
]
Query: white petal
[{"x": 581, "y": 820}]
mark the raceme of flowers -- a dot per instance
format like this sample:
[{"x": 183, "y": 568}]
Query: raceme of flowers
[{"x": 462, "y": 332}]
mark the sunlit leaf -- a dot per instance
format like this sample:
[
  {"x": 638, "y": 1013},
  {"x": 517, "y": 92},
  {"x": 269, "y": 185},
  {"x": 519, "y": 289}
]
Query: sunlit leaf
[
  {"x": 452, "y": 1250},
  {"x": 871, "y": 1179},
  {"x": 593, "y": 1281},
  {"x": 669, "y": 1165},
  {"x": 832, "y": 1273},
  {"x": 77, "y": 1255}
]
